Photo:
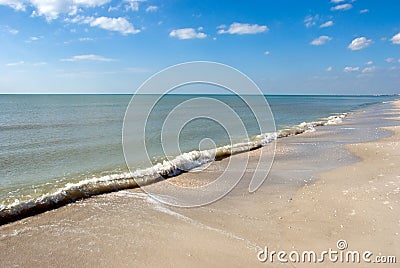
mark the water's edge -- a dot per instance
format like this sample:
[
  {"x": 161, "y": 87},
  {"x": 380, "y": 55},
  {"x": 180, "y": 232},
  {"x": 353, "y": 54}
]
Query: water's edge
[{"x": 126, "y": 180}]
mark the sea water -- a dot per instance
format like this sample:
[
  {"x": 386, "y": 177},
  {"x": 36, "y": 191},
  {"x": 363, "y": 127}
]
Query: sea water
[{"x": 57, "y": 148}]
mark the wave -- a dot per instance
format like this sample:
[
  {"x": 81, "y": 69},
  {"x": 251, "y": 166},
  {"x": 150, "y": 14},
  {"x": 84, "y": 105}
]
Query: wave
[{"x": 72, "y": 192}]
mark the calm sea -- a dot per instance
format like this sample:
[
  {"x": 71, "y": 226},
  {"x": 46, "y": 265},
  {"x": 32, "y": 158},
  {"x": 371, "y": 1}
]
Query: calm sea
[{"x": 50, "y": 142}]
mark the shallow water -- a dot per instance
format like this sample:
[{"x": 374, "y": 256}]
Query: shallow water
[{"x": 48, "y": 141}]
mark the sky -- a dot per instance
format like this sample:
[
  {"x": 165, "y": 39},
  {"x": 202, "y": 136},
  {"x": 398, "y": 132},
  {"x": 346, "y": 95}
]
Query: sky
[{"x": 285, "y": 46}]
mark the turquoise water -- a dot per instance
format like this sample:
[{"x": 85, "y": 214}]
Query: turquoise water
[{"x": 47, "y": 141}]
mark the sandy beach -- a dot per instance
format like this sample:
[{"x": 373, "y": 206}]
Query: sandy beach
[
  {"x": 145, "y": 133},
  {"x": 351, "y": 194}
]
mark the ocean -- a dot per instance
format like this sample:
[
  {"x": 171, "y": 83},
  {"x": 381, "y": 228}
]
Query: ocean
[{"x": 55, "y": 149}]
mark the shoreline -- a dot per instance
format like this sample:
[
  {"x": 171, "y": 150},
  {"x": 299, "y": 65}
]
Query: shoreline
[
  {"x": 75, "y": 191},
  {"x": 359, "y": 203},
  {"x": 127, "y": 228}
]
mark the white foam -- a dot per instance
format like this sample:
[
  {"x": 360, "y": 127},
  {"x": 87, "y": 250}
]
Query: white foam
[
  {"x": 184, "y": 162},
  {"x": 335, "y": 119}
]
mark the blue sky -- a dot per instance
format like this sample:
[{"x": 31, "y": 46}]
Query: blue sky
[{"x": 286, "y": 46}]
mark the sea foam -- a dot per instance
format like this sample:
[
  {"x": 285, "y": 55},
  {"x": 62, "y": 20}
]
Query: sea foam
[{"x": 167, "y": 168}]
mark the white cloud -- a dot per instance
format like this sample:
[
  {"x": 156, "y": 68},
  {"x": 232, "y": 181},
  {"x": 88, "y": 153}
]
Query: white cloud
[
  {"x": 349, "y": 69},
  {"x": 85, "y": 39},
  {"x": 326, "y": 24},
  {"x": 151, "y": 8},
  {"x": 131, "y": 5},
  {"x": 390, "y": 60},
  {"x": 111, "y": 8},
  {"x": 51, "y": 9},
  {"x": 187, "y": 33},
  {"x": 24, "y": 63},
  {"x": 337, "y": 1},
  {"x": 310, "y": 21},
  {"x": 13, "y": 31},
  {"x": 119, "y": 24},
  {"x": 342, "y": 7},
  {"x": 370, "y": 62},
  {"x": 368, "y": 69},
  {"x": 127, "y": 5},
  {"x": 19, "y": 63},
  {"x": 360, "y": 43},
  {"x": 90, "y": 3},
  {"x": 396, "y": 39},
  {"x": 34, "y": 39},
  {"x": 15, "y": 4},
  {"x": 329, "y": 69},
  {"x": 78, "y": 19},
  {"x": 9, "y": 30},
  {"x": 242, "y": 28},
  {"x": 266, "y": 53},
  {"x": 320, "y": 40},
  {"x": 89, "y": 57},
  {"x": 362, "y": 11}
]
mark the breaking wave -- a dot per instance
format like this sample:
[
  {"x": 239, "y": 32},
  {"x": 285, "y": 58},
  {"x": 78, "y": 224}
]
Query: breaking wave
[{"x": 99, "y": 185}]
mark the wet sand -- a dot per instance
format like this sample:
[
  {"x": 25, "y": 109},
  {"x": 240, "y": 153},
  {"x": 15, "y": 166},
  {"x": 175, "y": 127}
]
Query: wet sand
[{"x": 323, "y": 187}]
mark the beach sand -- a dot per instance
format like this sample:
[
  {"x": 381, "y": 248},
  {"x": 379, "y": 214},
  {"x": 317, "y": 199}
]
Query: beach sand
[{"x": 355, "y": 197}]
